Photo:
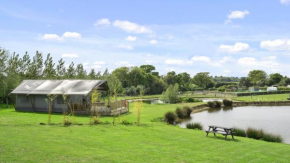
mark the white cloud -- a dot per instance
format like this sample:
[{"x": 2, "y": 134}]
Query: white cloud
[
  {"x": 52, "y": 37},
  {"x": 264, "y": 62},
  {"x": 69, "y": 56},
  {"x": 100, "y": 63},
  {"x": 237, "y": 15},
  {"x": 131, "y": 38},
  {"x": 201, "y": 59},
  {"x": 275, "y": 45},
  {"x": 153, "y": 42},
  {"x": 174, "y": 61},
  {"x": 103, "y": 22},
  {"x": 131, "y": 27},
  {"x": 247, "y": 61},
  {"x": 129, "y": 47},
  {"x": 58, "y": 38},
  {"x": 285, "y": 2},
  {"x": 238, "y": 47},
  {"x": 71, "y": 35}
]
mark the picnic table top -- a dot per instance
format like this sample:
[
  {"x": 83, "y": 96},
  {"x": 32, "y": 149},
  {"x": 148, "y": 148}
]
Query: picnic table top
[{"x": 227, "y": 128}]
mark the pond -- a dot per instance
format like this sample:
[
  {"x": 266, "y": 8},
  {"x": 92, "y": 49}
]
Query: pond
[{"x": 272, "y": 119}]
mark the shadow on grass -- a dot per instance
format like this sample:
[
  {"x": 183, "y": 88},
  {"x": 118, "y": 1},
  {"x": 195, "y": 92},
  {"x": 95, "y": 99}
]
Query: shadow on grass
[{"x": 222, "y": 138}]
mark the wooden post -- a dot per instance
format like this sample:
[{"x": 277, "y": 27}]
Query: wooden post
[{"x": 108, "y": 98}]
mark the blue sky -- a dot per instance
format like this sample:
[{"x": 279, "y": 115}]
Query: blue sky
[{"x": 221, "y": 37}]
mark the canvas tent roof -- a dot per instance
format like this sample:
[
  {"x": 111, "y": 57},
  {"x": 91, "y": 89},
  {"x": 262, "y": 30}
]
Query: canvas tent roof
[{"x": 67, "y": 87}]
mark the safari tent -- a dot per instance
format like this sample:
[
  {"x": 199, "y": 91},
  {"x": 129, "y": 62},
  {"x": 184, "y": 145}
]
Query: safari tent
[{"x": 32, "y": 95}]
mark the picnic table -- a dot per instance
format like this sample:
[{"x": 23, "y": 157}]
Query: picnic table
[{"x": 225, "y": 131}]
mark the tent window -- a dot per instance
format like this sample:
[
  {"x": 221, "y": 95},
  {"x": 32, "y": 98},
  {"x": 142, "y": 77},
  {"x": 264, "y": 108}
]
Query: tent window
[{"x": 60, "y": 100}]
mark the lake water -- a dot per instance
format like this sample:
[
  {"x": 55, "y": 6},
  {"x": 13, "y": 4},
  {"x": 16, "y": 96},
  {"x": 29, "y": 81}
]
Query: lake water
[{"x": 272, "y": 119}]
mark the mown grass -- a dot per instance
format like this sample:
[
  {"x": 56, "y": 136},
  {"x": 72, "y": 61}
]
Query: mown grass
[
  {"x": 24, "y": 140},
  {"x": 272, "y": 97}
]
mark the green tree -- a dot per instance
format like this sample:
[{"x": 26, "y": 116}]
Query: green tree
[
  {"x": 92, "y": 74},
  {"x": 137, "y": 77},
  {"x": 276, "y": 77},
  {"x": 60, "y": 69},
  {"x": 257, "y": 77},
  {"x": 170, "y": 78},
  {"x": 245, "y": 82},
  {"x": 202, "y": 80},
  {"x": 49, "y": 71},
  {"x": 71, "y": 72},
  {"x": 25, "y": 62},
  {"x": 80, "y": 72},
  {"x": 171, "y": 94},
  {"x": 183, "y": 81},
  {"x": 147, "y": 68},
  {"x": 36, "y": 67},
  {"x": 122, "y": 74},
  {"x": 114, "y": 84}
]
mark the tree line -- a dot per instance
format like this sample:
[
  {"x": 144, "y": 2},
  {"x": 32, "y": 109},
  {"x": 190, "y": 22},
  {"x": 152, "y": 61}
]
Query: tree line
[{"x": 123, "y": 80}]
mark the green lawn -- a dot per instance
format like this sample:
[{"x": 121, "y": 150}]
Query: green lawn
[
  {"x": 271, "y": 97},
  {"x": 24, "y": 140}
]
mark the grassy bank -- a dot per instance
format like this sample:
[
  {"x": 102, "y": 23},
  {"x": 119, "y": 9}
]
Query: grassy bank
[
  {"x": 272, "y": 97},
  {"x": 24, "y": 140}
]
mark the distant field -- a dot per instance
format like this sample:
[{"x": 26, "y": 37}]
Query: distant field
[
  {"x": 24, "y": 140},
  {"x": 272, "y": 97}
]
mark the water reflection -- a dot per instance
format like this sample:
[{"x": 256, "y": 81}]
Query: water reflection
[
  {"x": 228, "y": 108},
  {"x": 214, "y": 110}
]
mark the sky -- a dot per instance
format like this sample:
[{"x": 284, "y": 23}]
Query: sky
[{"x": 228, "y": 38}]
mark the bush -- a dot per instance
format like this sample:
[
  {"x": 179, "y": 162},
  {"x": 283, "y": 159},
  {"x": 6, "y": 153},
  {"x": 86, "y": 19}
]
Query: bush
[
  {"x": 211, "y": 104},
  {"x": 170, "y": 117},
  {"x": 217, "y": 104},
  {"x": 227, "y": 102},
  {"x": 254, "y": 133},
  {"x": 184, "y": 112},
  {"x": 194, "y": 126},
  {"x": 272, "y": 138},
  {"x": 190, "y": 100},
  {"x": 187, "y": 110},
  {"x": 171, "y": 94},
  {"x": 239, "y": 132},
  {"x": 214, "y": 104},
  {"x": 179, "y": 112}
]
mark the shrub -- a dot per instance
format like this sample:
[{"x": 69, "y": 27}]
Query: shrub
[
  {"x": 187, "y": 110},
  {"x": 171, "y": 94},
  {"x": 254, "y": 133},
  {"x": 214, "y": 104},
  {"x": 218, "y": 104},
  {"x": 272, "y": 138},
  {"x": 66, "y": 122},
  {"x": 211, "y": 104},
  {"x": 227, "y": 102},
  {"x": 170, "y": 117},
  {"x": 125, "y": 122},
  {"x": 184, "y": 112},
  {"x": 95, "y": 120},
  {"x": 190, "y": 100},
  {"x": 239, "y": 132},
  {"x": 179, "y": 112},
  {"x": 194, "y": 126}
]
